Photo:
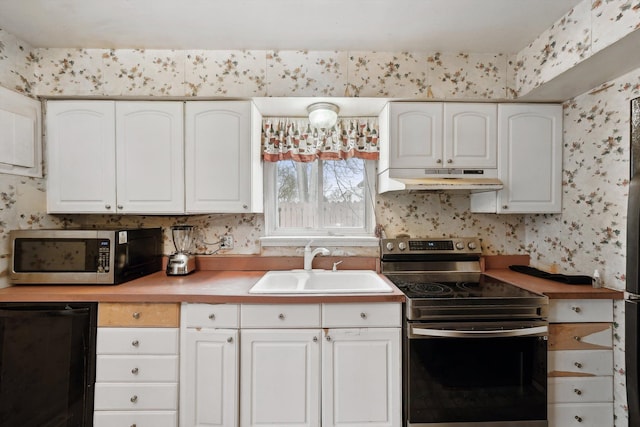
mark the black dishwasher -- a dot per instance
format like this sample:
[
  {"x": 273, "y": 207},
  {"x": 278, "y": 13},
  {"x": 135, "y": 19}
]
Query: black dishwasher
[{"x": 47, "y": 364}]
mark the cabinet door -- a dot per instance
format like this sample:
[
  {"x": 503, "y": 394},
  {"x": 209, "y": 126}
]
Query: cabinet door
[
  {"x": 280, "y": 378},
  {"x": 361, "y": 377},
  {"x": 415, "y": 135},
  {"x": 223, "y": 172},
  {"x": 209, "y": 378},
  {"x": 530, "y": 165},
  {"x": 470, "y": 136},
  {"x": 81, "y": 157},
  {"x": 150, "y": 157}
]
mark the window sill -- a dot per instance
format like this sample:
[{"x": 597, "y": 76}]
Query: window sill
[{"x": 319, "y": 240}]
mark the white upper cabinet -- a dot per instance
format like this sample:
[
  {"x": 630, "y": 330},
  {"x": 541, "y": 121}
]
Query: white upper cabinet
[
  {"x": 81, "y": 157},
  {"x": 415, "y": 135},
  {"x": 435, "y": 135},
  {"x": 530, "y": 161},
  {"x": 470, "y": 135},
  {"x": 222, "y": 157},
  {"x": 150, "y": 157}
]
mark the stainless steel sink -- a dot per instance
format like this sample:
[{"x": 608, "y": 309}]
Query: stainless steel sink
[{"x": 320, "y": 282}]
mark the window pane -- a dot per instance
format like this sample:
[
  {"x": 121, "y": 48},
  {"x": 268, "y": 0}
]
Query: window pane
[
  {"x": 297, "y": 187},
  {"x": 343, "y": 203}
]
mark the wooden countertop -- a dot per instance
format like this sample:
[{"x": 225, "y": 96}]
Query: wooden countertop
[
  {"x": 207, "y": 286},
  {"x": 554, "y": 290}
]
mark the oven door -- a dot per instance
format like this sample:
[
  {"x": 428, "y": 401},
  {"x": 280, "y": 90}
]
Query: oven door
[{"x": 476, "y": 374}]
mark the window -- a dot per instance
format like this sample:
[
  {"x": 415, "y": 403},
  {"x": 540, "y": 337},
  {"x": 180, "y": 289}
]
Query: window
[{"x": 319, "y": 198}]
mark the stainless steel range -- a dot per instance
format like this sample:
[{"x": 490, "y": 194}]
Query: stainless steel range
[{"x": 474, "y": 347}]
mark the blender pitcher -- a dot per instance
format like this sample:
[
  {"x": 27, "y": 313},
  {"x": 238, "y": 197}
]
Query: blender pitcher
[{"x": 181, "y": 262}]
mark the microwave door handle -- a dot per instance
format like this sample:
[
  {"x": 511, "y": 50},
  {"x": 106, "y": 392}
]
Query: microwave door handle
[{"x": 417, "y": 332}]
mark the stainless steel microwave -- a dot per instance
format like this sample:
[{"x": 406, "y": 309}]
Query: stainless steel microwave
[{"x": 101, "y": 257}]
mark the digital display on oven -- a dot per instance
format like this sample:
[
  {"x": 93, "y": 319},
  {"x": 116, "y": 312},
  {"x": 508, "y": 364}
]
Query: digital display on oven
[{"x": 431, "y": 245}]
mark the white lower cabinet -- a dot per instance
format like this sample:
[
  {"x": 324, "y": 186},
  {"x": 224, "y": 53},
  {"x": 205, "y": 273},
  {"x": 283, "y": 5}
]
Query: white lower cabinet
[
  {"x": 580, "y": 363},
  {"x": 209, "y": 365},
  {"x": 320, "y": 365}
]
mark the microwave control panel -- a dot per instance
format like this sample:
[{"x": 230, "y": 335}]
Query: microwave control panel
[{"x": 104, "y": 248}]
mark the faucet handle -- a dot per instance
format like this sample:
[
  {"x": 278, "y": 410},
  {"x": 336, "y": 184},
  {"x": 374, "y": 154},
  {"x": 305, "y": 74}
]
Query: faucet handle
[{"x": 335, "y": 265}]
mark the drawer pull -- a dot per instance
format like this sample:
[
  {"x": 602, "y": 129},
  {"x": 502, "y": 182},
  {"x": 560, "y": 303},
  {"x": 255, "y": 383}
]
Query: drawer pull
[
  {"x": 134, "y": 399},
  {"x": 230, "y": 339},
  {"x": 136, "y": 314},
  {"x": 577, "y": 338},
  {"x": 135, "y": 343},
  {"x": 135, "y": 371},
  {"x": 281, "y": 316},
  {"x": 212, "y": 316},
  {"x": 578, "y": 419},
  {"x": 576, "y": 309},
  {"x": 363, "y": 315},
  {"x": 577, "y": 391},
  {"x": 578, "y": 365}
]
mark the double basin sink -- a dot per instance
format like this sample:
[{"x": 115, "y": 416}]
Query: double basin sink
[{"x": 320, "y": 282}]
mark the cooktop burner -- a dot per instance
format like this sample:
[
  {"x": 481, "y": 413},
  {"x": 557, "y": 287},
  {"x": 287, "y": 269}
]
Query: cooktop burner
[{"x": 416, "y": 287}]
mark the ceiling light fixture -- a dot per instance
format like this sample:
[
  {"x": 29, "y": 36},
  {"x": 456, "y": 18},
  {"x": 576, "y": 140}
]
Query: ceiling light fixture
[{"x": 323, "y": 115}]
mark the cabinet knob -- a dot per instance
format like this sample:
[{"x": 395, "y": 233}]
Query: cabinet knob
[
  {"x": 134, "y": 425},
  {"x": 134, "y": 399},
  {"x": 449, "y": 160},
  {"x": 136, "y": 315},
  {"x": 230, "y": 339},
  {"x": 120, "y": 207},
  {"x": 578, "y": 365},
  {"x": 576, "y": 309},
  {"x": 245, "y": 207},
  {"x": 328, "y": 338},
  {"x": 281, "y": 316},
  {"x": 577, "y": 391},
  {"x": 315, "y": 339},
  {"x": 363, "y": 315},
  {"x": 505, "y": 207},
  {"x": 134, "y": 371},
  {"x": 578, "y": 419},
  {"x": 107, "y": 207},
  {"x": 577, "y": 338},
  {"x": 212, "y": 316},
  {"x": 439, "y": 161},
  {"x": 135, "y": 343}
]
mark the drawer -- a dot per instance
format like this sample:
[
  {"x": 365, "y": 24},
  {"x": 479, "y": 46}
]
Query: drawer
[
  {"x": 136, "y": 368},
  {"x": 580, "y": 389},
  {"x": 580, "y": 363},
  {"x": 139, "y": 315},
  {"x": 121, "y": 396},
  {"x": 581, "y": 415},
  {"x": 580, "y": 310},
  {"x": 135, "y": 418},
  {"x": 361, "y": 315},
  {"x": 210, "y": 315},
  {"x": 137, "y": 341},
  {"x": 280, "y": 316},
  {"x": 580, "y": 336}
]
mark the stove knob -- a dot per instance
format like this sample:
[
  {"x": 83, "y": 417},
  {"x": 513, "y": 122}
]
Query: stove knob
[
  {"x": 459, "y": 245},
  {"x": 472, "y": 245},
  {"x": 402, "y": 246},
  {"x": 389, "y": 246}
]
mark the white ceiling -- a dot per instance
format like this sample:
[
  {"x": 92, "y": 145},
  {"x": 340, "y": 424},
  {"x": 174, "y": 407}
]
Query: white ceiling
[{"x": 474, "y": 26}]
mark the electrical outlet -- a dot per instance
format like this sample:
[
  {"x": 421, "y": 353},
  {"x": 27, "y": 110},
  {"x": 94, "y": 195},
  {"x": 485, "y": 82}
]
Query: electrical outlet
[{"x": 227, "y": 242}]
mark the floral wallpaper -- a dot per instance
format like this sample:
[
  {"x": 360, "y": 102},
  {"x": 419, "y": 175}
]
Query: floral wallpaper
[{"x": 590, "y": 232}]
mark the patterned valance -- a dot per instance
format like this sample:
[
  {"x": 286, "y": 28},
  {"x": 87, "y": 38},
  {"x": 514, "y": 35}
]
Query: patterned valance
[{"x": 295, "y": 139}]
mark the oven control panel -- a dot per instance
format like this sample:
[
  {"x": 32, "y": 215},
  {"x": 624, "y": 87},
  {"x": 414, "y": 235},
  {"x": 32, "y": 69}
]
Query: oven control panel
[{"x": 407, "y": 245}]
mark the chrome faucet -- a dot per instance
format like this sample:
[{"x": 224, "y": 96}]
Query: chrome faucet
[{"x": 309, "y": 255}]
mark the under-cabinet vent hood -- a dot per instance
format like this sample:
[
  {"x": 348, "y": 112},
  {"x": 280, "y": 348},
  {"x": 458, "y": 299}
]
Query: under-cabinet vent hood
[{"x": 472, "y": 180}]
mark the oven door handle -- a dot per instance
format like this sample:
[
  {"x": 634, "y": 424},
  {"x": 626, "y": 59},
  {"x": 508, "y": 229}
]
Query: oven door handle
[{"x": 418, "y": 332}]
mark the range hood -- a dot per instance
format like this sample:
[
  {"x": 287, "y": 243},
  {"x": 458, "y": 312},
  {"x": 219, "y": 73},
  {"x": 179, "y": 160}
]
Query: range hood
[{"x": 471, "y": 180}]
